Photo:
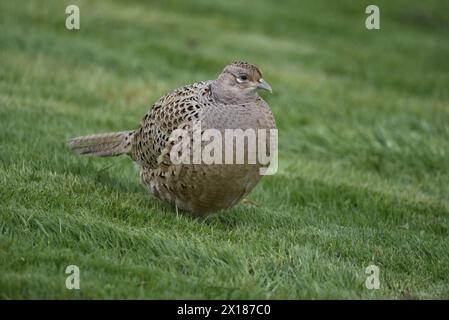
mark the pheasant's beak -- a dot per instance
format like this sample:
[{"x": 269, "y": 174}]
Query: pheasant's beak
[{"x": 264, "y": 85}]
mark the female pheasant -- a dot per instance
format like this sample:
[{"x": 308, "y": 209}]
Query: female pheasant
[{"x": 229, "y": 102}]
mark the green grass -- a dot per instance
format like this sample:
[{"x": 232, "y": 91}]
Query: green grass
[{"x": 364, "y": 150}]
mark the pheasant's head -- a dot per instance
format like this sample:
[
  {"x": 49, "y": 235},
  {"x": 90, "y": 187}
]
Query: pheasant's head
[{"x": 239, "y": 82}]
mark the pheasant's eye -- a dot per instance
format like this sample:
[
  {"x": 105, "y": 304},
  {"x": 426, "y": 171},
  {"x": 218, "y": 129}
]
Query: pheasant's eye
[{"x": 242, "y": 78}]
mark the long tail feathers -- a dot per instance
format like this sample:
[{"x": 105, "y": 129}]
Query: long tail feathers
[{"x": 103, "y": 144}]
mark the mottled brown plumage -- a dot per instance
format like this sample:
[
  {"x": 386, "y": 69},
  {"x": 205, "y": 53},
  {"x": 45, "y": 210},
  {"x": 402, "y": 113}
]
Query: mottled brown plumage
[{"x": 229, "y": 102}]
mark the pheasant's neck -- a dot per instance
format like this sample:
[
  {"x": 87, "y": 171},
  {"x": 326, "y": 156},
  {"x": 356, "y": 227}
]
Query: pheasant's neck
[{"x": 228, "y": 95}]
